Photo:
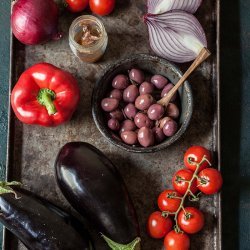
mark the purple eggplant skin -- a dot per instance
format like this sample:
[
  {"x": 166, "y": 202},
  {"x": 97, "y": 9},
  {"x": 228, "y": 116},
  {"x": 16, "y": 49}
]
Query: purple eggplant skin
[
  {"x": 94, "y": 187},
  {"x": 41, "y": 225}
]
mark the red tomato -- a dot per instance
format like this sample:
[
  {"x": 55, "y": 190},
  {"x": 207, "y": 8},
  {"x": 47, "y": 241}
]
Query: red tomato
[
  {"x": 102, "y": 7},
  {"x": 196, "y": 154},
  {"x": 77, "y": 5},
  {"x": 192, "y": 221},
  {"x": 167, "y": 202},
  {"x": 209, "y": 181},
  {"x": 180, "y": 183},
  {"x": 158, "y": 226},
  {"x": 176, "y": 241}
]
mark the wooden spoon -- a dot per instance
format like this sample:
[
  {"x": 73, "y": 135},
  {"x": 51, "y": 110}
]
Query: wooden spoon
[{"x": 203, "y": 55}]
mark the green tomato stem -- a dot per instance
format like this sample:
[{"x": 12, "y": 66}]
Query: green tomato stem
[{"x": 188, "y": 192}]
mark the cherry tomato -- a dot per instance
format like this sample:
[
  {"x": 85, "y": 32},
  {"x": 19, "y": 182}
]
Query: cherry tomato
[
  {"x": 176, "y": 241},
  {"x": 167, "y": 201},
  {"x": 209, "y": 181},
  {"x": 196, "y": 154},
  {"x": 180, "y": 183},
  {"x": 77, "y": 5},
  {"x": 191, "y": 221},
  {"x": 102, "y": 7},
  {"x": 158, "y": 226}
]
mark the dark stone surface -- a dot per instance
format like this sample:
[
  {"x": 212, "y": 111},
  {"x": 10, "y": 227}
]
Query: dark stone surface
[{"x": 33, "y": 149}]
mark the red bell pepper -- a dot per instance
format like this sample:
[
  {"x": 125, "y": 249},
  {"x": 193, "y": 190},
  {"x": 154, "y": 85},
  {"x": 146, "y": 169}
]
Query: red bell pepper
[{"x": 45, "y": 95}]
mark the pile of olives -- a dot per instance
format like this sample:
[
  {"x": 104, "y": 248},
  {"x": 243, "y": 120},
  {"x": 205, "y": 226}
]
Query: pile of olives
[{"x": 133, "y": 112}]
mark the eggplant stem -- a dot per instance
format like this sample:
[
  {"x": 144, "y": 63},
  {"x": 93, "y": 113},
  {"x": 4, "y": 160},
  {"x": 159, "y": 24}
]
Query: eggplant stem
[
  {"x": 134, "y": 245},
  {"x": 5, "y": 188}
]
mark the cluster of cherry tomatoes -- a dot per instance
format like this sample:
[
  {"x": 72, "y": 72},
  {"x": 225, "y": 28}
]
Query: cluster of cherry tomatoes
[
  {"x": 99, "y": 7},
  {"x": 197, "y": 176}
]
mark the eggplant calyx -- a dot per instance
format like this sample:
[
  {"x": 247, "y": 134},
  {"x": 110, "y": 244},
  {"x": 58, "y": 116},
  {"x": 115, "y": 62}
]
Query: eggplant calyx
[
  {"x": 5, "y": 187},
  {"x": 134, "y": 245}
]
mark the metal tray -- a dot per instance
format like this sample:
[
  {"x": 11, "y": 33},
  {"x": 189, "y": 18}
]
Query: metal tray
[{"x": 32, "y": 150}]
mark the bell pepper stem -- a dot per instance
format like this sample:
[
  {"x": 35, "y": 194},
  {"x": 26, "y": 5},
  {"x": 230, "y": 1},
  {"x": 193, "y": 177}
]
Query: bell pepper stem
[
  {"x": 46, "y": 97},
  {"x": 134, "y": 245}
]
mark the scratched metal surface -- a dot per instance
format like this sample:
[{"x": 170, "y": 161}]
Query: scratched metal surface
[{"x": 33, "y": 149}]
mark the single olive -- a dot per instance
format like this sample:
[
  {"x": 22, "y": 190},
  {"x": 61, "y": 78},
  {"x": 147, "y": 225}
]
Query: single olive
[
  {"x": 130, "y": 93},
  {"x": 127, "y": 125},
  {"x": 136, "y": 75},
  {"x": 143, "y": 102},
  {"x": 155, "y": 111},
  {"x": 159, "y": 81},
  {"x": 109, "y": 104},
  {"x": 130, "y": 111},
  {"x": 116, "y": 93},
  {"x": 117, "y": 114},
  {"x": 129, "y": 137},
  {"x": 146, "y": 88},
  {"x": 113, "y": 124},
  {"x": 170, "y": 128},
  {"x": 146, "y": 137},
  {"x": 120, "y": 82},
  {"x": 172, "y": 111},
  {"x": 142, "y": 120}
]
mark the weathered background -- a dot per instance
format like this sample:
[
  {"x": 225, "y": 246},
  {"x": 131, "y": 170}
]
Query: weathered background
[{"x": 137, "y": 169}]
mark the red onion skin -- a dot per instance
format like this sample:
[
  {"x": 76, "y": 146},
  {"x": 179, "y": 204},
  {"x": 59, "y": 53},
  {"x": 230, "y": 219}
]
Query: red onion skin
[
  {"x": 164, "y": 35},
  {"x": 35, "y": 21},
  {"x": 187, "y": 5}
]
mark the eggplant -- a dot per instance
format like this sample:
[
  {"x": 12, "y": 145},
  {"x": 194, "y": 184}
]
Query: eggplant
[
  {"x": 94, "y": 187},
  {"x": 38, "y": 223}
]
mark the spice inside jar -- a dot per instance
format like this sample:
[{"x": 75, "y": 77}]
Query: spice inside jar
[{"x": 88, "y": 38}]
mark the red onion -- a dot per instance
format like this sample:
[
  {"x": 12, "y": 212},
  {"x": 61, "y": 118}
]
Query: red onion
[
  {"x": 175, "y": 35},
  {"x": 161, "y": 6},
  {"x": 35, "y": 21}
]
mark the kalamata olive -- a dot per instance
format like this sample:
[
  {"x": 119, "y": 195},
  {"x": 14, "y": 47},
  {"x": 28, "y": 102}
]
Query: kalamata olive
[
  {"x": 170, "y": 128},
  {"x": 159, "y": 81},
  {"x": 127, "y": 125},
  {"x": 116, "y": 93},
  {"x": 117, "y": 114},
  {"x": 146, "y": 88},
  {"x": 113, "y": 124},
  {"x": 172, "y": 111},
  {"x": 130, "y": 93},
  {"x": 109, "y": 104},
  {"x": 129, "y": 137},
  {"x": 120, "y": 82},
  {"x": 146, "y": 137},
  {"x": 163, "y": 121},
  {"x": 136, "y": 75},
  {"x": 155, "y": 111},
  {"x": 130, "y": 111},
  {"x": 159, "y": 135},
  {"x": 143, "y": 102},
  {"x": 166, "y": 89},
  {"x": 142, "y": 120}
]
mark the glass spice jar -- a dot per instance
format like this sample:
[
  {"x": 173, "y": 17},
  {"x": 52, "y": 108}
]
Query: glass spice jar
[{"x": 88, "y": 38}]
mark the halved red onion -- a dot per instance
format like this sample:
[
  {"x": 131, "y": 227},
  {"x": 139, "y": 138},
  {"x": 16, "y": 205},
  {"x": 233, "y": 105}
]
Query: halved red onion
[
  {"x": 176, "y": 35},
  {"x": 161, "y": 6}
]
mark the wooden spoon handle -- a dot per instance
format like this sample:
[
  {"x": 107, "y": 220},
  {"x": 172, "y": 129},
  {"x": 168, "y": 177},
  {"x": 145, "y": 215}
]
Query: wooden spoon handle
[{"x": 203, "y": 55}]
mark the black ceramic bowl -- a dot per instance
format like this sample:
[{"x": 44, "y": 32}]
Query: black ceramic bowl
[{"x": 152, "y": 65}]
